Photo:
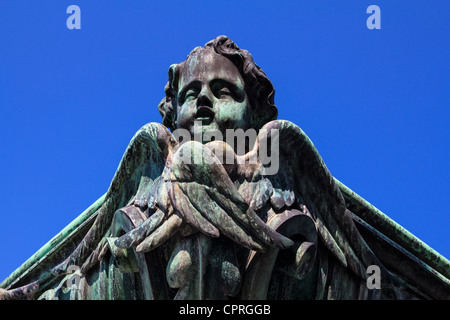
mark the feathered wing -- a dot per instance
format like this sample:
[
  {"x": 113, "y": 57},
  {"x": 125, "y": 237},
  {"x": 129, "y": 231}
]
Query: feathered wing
[
  {"x": 303, "y": 177},
  {"x": 142, "y": 164},
  {"x": 202, "y": 192}
]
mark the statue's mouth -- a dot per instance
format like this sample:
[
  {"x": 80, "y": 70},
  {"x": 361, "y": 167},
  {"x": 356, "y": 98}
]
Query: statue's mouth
[{"x": 204, "y": 114}]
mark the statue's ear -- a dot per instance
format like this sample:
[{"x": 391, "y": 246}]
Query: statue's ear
[
  {"x": 173, "y": 78},
  {"x": 167, "y": 113},
  {"x": 168, "y": 106}
]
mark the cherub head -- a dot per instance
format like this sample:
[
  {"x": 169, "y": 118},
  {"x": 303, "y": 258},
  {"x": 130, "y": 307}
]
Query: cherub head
[{"x": 220, "y": 87}]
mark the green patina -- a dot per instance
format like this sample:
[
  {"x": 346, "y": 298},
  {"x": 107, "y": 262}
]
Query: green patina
[
  {"x": 205, "y": 229},
  {"x": 51, "y": 247},
  {"x": 362, "y": 208},
  {"x": 394, "y": 231}
]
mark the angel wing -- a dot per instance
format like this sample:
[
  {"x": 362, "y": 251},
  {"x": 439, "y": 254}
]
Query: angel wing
[
  {"x": 138, "y": 172},
  {"x": 202, "y": 194},
  {"x": 153, "y": 177},
  {"x": 304, "y": 180},
  {"x": 214, "y": 198}
]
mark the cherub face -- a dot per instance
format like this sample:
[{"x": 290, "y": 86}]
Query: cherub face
[{"x": 211, "y": 92}]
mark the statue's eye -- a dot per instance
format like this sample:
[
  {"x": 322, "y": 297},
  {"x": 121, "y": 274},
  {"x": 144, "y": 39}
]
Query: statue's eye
[
  {"x": 221, "y": 90},
  {"x": 191, "y": 93},
  {"x": 224, "y": 92}
]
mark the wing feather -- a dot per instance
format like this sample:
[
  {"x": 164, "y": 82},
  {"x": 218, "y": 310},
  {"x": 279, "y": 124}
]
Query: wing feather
[
  {"x": 142, "y": 163},
  {"x": 314, "y": 186}
]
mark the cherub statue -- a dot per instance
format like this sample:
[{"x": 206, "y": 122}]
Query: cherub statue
[{"x": 206, "y": 219}]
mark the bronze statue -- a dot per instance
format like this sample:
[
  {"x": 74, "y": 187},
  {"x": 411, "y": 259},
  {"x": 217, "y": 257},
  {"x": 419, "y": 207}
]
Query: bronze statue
[{"x": 206, "y": 219}]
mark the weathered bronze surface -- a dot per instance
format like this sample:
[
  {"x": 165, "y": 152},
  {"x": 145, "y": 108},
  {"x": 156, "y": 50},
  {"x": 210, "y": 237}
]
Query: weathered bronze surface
[{"x": 206, "y": 228}]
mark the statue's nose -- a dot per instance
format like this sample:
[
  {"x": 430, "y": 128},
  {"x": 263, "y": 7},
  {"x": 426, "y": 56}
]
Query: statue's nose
[{"x": 205, "y": 98}]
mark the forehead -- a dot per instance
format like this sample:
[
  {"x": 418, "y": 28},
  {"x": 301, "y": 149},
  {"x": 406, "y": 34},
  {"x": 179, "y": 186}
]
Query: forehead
[{"x": 205, "y": 65}]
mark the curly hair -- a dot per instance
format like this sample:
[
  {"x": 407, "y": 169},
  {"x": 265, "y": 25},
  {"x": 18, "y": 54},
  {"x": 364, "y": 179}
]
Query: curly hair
[{"x": 258, "y": 87}]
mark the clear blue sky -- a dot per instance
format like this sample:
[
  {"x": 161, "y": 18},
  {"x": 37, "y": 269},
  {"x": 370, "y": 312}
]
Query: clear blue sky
[{"x": 374, "y": 102}]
